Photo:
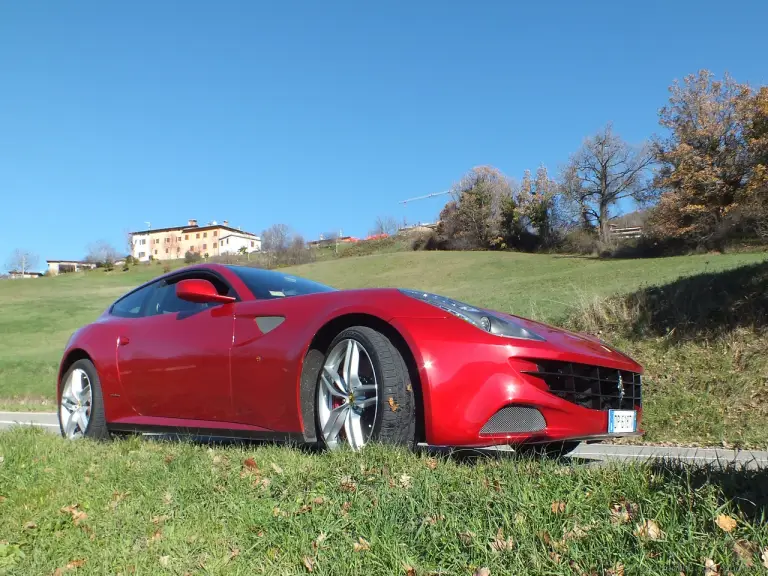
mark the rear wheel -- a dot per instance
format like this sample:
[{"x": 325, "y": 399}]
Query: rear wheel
[
  {"x": 81, "y": 408},
  {"x": 364, "y": 393}
]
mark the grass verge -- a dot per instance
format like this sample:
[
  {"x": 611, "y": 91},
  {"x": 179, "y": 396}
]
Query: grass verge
[{"x": 142, "y": 507}]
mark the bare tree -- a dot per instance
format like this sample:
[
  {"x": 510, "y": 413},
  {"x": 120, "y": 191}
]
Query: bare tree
[
  {"x": 275, "y": 238},
  {"x": 605, "y": 170},
  {"x": 21, "y": 261},
  {"x": 384, "y": 225},
  {"x": 101, "y": 252}
]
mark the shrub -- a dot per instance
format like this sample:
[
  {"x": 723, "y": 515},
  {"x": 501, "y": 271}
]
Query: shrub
[
  {"x": 126, "y": 268},
  {"x": 191, "y": 257}
]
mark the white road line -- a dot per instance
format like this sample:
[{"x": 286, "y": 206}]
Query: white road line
[{"x": 29, "y": 423}]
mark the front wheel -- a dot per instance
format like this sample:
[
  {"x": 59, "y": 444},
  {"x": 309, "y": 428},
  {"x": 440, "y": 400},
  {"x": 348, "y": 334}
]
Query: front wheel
[
  {"x": 81, "y": 408},
  {"x": 364, "y": 392}
]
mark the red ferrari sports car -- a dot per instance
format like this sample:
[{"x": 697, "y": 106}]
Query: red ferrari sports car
[{"x": 240, "y": 352}]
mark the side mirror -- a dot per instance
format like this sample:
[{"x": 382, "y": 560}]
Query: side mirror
[{"x": 200, "y": 291}]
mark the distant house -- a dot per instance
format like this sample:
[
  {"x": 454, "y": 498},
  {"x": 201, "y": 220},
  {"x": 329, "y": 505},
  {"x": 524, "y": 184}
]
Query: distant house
[
  {"x": 15, "y": 274},
  {"x": 173, "y": 243},
  {"x": 629, "y": 225},
  {"x": 65, "y": 266}
]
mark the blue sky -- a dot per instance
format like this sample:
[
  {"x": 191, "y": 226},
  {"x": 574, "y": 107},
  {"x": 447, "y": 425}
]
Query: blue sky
[{"x": 319, "y": 115}]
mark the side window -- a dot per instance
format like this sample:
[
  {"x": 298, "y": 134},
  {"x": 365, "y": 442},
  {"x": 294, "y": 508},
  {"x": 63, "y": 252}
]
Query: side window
[
  {"x": 163, "y": 299},
  {"x": 130, "y": 305}
]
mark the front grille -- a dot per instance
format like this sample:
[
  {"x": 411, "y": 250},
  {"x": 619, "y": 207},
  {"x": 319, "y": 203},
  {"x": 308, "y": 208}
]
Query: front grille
[
  {"x": 594, "y": 387},
  {"x": 512, "y": 419}
]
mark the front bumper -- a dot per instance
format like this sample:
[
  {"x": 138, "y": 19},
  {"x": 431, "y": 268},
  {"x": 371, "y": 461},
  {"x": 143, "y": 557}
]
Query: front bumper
[{"x": 467, "y": 376}]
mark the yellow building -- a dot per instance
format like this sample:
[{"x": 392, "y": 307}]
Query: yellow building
[{"x": 212, "y": 239}]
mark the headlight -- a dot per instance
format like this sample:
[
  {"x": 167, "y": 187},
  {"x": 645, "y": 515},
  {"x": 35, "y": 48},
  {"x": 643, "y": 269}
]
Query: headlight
[{"x": 482, "y": 319}]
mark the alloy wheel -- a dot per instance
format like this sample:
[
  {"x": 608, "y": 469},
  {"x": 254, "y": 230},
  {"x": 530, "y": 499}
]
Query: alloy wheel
[
  {"x": 347, "y": 396},
  {"x": 75, "y": 405}
]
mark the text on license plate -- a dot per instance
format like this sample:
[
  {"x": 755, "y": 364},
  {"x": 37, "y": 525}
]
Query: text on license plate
[{"x": 620, "y": 421}]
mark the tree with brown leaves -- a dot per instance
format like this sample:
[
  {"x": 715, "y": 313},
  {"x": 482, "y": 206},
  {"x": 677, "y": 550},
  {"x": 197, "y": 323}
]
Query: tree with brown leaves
[{"x": 705, "y": 162}]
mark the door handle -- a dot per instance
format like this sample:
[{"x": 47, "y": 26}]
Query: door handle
[{"x": 123, "y": 340}]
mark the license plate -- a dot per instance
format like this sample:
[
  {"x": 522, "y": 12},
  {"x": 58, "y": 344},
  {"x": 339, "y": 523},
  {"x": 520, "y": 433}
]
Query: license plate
[{"x": 620, "y": 421}]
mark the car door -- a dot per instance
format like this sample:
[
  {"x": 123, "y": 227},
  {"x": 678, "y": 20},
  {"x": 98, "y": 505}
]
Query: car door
[{"x": 174, "y": 359}]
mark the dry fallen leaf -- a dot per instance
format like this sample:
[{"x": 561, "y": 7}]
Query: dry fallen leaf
[
  {"x": 745, "y": 550},
  {"x": 30, "y": 526},
  {"x": 319, "y": 500},
  {"x": 617, "y": 570},
  {"x": 405, "y": 481},
  {"x": 345, "y": 508},
  {"x": 76, "y": 564},
  {"x": 764, "y": 557},
  {"x": 499, "y": 544},
  {"x": 347, "y": 484},
  {"x": 431, "y": 463},
  {"x": 309, "y": 563},
  {"x": 649, "y": 529},
  {"x": 319, "y": 540},
  {"x": 159, "y": 519},
  {"x": 277, "y": 468},
  {"x": 392, "y": 404},
  {"x": 158, "y": 535},
  {"x": 361, "y": 544},
  {"x": 558, "y": 507},
  {"x": 726, "y": 523},
  {"x": 466, "y": 537},
  {"x": 2, "y": 499},
  {"x": 77, "y": 515},
  {"x": 710, "y": 568},
  {"x": 167, "y": 498},
  {"x": 623, "y": 512},
  {"x": 165, "y": 560},
  {"x": 234, "y": 553},
  {"x": 250, "y": 463},
  {"x": 482, "y": 572},
  {"x": 168, "y": 459},
  {"x": 409, "y": 570},
  {"x": 433, "y": 519}
]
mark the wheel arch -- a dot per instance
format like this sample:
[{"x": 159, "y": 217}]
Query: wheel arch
[
  {"x": 319, "y": 346},
  {"x": 70, "y": 358}
]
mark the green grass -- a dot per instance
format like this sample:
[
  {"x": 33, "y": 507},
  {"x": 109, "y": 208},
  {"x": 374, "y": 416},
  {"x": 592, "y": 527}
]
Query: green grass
[
  {"x": 142, "y": 507},
  {"x": 699, "y": 391}
]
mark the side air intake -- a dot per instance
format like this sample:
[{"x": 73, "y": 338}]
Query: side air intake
[{"x": 512, "y": 419}]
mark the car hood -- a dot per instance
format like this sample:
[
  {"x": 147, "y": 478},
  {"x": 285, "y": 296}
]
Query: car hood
[{"x": 575, "y": 343}]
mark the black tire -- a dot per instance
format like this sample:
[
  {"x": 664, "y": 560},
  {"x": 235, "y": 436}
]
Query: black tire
[
  {"x": 396, "y": 414},
  {"x": 97, "y": 423},
  {"x": 553, "y": 450}
]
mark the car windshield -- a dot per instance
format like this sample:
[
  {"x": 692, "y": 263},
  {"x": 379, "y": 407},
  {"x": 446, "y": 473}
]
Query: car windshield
[{"x": 266, "y": 284}]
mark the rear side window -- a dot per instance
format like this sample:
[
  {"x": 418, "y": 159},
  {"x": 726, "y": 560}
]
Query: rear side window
[{"x": 130, "y": 305}]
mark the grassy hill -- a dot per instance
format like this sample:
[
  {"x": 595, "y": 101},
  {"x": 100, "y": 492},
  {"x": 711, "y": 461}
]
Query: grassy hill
[{"x": 37, "y": 316}]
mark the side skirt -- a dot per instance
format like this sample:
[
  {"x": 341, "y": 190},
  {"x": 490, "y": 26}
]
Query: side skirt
[{"x": 196, "y": 429}]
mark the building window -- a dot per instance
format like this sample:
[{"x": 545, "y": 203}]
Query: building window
[
  {"x": 205, "y": 234},
  {"x": 251, "y": 243},
  {"x": 167, "y": 240},
  {"x": 178, "y": 249},
  {"x": 143, "y": 240},
  {"x": 222, "y": 242},
  {"x": 186, "y": 236},
  {"x": 178, "y": 239},
  {"x": 205, "y": 246},
  {"x": 155, "y": 252},
  {"x": 166, "y": 250},
  {"x": 197, "y": 235},
  {"x": 215, "y": 233},
  {"x": 142, "y": 254}
]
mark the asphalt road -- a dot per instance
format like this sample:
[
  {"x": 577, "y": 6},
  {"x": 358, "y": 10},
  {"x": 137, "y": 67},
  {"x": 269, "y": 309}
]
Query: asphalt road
[{"x": 594, "y": 452}]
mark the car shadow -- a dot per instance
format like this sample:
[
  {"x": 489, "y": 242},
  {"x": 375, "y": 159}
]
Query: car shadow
[{"x": 746, "y": 488}]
